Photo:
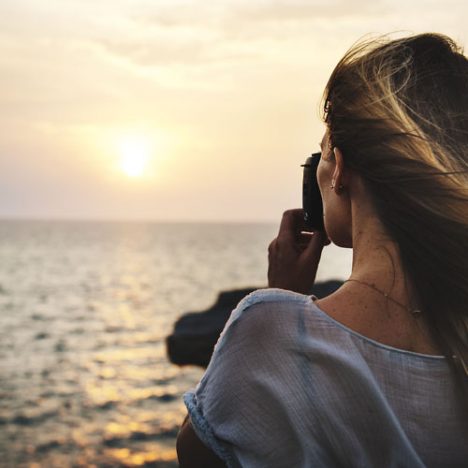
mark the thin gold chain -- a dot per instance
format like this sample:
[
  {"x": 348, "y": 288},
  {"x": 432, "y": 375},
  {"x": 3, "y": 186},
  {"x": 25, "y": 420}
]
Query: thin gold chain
[{"x": 414, "y": 312}]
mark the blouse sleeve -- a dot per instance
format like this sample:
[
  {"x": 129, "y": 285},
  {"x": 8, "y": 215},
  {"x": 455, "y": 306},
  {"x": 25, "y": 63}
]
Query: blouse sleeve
[{"x": 241, "y": 407}]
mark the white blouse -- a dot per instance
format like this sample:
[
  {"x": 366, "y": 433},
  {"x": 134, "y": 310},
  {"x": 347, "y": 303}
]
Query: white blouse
[{"x": 288, "y": 386}]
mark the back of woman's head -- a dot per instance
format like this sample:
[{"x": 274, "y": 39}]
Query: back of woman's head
[{"x": 398, "y": 110}]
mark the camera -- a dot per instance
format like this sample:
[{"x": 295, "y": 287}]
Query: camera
[{"x": 311, "y": 198}]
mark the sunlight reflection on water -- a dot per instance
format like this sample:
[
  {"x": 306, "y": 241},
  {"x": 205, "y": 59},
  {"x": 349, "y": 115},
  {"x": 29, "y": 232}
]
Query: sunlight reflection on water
[{"x": 85, "y": 309}]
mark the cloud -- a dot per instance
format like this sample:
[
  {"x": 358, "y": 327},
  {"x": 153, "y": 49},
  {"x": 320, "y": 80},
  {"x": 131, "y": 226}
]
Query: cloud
[
  {"x": 150, "y": 34},
  {"x": 173, "y": 51},
  {"x": 196, "y": 33},
  {"x": 245, "y": 14},
  {"x": 307, "y": 11}
]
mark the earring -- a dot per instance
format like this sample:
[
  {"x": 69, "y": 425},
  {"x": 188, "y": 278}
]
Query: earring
[{"x": 340, "y": 187}]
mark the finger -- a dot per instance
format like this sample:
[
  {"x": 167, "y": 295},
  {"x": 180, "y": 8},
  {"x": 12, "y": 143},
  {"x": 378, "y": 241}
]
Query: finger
[
  {"x": 313, "y": 251},
  {"x": 271, "y": 247},
  {"x": 307, "y": 234},
  {"x": 304, "y": 239},
  {"x": 290, "y": 225}
]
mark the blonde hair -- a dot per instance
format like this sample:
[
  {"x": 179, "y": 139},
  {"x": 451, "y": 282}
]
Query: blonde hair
[{"x": 398, "y": 110}]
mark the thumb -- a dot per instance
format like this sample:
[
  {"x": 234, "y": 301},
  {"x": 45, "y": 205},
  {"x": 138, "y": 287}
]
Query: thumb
[{"x": 313, "y": 251}]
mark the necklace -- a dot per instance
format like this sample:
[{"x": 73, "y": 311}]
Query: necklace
[{"x": 415, "y": 312}]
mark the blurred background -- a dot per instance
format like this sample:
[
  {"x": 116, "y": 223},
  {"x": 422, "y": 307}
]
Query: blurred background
[{"x": 147, "y": 151}]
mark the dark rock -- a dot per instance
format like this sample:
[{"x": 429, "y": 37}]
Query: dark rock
[
  {"x": 196, "y": 333},
  {"x": 107, "y": 405},
  {"x": 41, "y": 336},
  {"x": 46, "y": 447}
]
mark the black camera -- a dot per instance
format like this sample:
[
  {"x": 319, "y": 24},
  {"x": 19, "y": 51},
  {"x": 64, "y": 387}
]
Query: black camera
[{"x": 311, "y": 198}]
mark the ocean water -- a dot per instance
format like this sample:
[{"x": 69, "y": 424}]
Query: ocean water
[{"x": 84, "y": 311}]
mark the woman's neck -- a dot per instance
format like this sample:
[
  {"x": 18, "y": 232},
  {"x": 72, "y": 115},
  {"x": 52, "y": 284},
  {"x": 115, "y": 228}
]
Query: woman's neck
[{"x": 376, "y": 258}]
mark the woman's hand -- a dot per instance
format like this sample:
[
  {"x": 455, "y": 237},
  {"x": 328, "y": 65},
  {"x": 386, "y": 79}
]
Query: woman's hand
[{"x": 294, "y": 256}]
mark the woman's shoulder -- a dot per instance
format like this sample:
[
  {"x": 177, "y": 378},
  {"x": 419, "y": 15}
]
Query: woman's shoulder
[
  {"x": 273, "y": 295},
  {"x": 273, "y": 319},
  {"x": 280, "y": 316},
  {"x": 375, "y": 321},
  {"x": 268, "y": 308}
]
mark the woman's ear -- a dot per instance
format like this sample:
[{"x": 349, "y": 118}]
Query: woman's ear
[{"x": 340, "y": 175}]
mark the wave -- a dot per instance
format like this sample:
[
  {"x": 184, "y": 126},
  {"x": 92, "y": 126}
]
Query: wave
[
  {"x": 141, "y": 436},
  {"x": 29, "y": 420}
]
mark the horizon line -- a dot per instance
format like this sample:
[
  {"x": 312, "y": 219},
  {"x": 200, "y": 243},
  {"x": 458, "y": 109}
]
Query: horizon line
[{"x": 57, "y": 219}]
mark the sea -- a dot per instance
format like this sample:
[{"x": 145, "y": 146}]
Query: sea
[{"x": 85, "y": 308}]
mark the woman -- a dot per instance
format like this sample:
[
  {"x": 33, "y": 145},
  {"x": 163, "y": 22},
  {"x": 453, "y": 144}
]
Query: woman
[{"x": 376, "y": 373}]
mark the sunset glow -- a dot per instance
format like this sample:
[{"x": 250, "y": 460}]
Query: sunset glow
[
  {"x": 175, "y": 110},
  {"x": 135, "y": 153}
]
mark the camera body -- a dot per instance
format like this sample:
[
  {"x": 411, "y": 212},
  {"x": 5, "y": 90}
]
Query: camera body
[{"x": 311, "y": 198}]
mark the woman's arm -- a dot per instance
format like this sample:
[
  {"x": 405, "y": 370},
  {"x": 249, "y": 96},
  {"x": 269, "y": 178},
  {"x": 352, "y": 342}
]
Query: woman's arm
[{"x": 192, "y": 452}]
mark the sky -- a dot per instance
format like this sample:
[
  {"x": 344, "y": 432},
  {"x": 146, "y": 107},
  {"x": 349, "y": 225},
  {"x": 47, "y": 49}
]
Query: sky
[{"x": 175, "y": 110}]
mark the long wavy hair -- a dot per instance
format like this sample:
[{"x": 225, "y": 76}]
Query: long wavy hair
[{"x": 398, "y": 110}]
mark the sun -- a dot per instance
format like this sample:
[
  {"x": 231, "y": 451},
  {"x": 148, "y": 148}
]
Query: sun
[{"x": 135, "y": 153}]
